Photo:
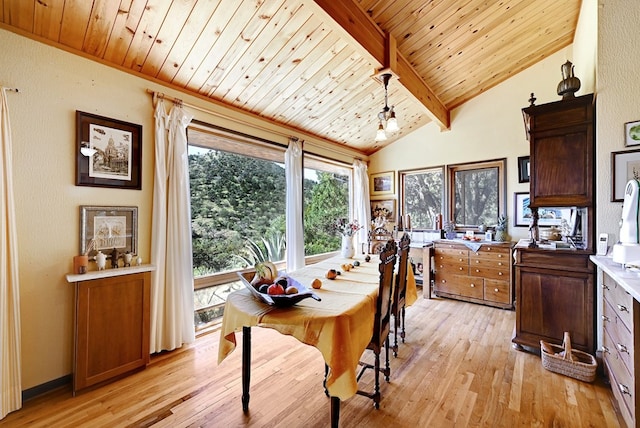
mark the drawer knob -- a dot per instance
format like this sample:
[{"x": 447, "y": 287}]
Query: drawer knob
[
  {"x": 499, "y": 263},
  {"x": 473, "y": 285},
  {"x": 477, "y": 261},
  {"x": 621, "y": 348},
  {"x": 443, "y": 281},
  {"x": 605, "y": 318},
  {"x": 605, "y": 350},
  {"x": 624, "y": 389},
  {"x": 499, "y": 256},
  {"x": 496, "y": 290},
  {"x": 622, "y": 308},
  {"x": 460, "y": 268},
  {"x": 460, "y": 260},
  {"x": 499, "y": 273},
  {"x": 477, "y": 270}
]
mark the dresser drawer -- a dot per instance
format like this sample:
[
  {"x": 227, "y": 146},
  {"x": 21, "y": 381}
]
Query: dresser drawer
[
  {"x": 620, "y": 300},
  {"x": 492, "y": 253},
  {"x": 497, "y": 291},
  {"x": 460, "y": 285},
  {"x": 490, "y": 273},
  {"x": 622, "y": 382},
  {"x": 492, "y": 262},
  {"x": 452, "y": 253},
  {"x": 620, "y": 336}
]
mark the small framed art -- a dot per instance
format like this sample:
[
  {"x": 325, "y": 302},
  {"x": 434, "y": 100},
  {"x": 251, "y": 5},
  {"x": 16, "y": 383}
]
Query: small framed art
[
  {"x": 108, "y": 152},
  {"x": 523, "y": 169},
  {"x": 106, "y": 228},
  {"x": 632, "y": 133},
  {"x": 383, "y": 183},
  {"x": 625, "y": 166}
]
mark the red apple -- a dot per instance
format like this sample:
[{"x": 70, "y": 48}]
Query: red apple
[{"x": 275, "y": 290}]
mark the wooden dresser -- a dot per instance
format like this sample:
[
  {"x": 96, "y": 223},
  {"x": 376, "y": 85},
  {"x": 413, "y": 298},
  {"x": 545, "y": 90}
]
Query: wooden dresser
[
  {"x": 482, "y": 276},
  {"x": 111, "y": 323},
  {"x": 620, "y": 335}
]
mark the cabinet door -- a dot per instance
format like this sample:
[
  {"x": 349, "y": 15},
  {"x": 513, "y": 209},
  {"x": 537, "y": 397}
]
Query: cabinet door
[
  {"x": 112, "y": 327},
  {"x": 561, "y": 168},
  {"x": 550, "y": 302}
]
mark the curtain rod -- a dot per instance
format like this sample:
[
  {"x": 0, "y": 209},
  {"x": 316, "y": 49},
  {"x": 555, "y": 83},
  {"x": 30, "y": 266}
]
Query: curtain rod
[
  {"x": 174, "y": 100},
  {"x": 208, "y": 111}
]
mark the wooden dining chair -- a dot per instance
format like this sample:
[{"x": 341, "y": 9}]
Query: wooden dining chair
[
  {"x": 398, "y": 302},
  {"x": 381, "y": 326}
]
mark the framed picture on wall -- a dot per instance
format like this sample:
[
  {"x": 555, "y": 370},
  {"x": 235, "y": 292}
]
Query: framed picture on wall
[
  {"x": 523, "y": 169},
  {"x": 632, "y": 133},
  {"x": 522, "y": 212},
  {"x": 625, "y": 166},
  {"x": 383, "y": 183},
  {"x": 105, "y": 228},
  {"x": 384, "y": 208},
  {"x": 108, "y": 152}
]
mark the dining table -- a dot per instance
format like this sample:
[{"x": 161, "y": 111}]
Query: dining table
[{"x": 339, "y": 324}]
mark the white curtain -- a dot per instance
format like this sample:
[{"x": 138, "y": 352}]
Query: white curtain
[
  {"x": 172, "y": 305},
  {"x": 295, "y": 227},
  {"x": 361, "y": 205},
  {"x": 10, "y": 377}
]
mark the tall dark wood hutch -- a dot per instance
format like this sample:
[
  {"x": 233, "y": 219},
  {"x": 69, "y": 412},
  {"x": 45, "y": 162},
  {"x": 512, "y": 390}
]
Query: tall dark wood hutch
[{"x": 555, "y": 288}]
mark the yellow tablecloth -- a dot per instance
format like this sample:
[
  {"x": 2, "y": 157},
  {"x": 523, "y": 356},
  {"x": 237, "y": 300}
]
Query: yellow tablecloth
[{"x": 340, "y": 325}]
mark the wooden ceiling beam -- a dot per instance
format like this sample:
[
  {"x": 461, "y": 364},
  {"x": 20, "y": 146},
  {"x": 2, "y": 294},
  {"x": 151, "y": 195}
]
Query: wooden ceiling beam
[{"x": 352, "y": 19}]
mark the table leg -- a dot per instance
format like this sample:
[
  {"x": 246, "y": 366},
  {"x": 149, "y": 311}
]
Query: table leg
[
  {"x": 335, "y": 412},
  {"x": 246, "y": 367}
]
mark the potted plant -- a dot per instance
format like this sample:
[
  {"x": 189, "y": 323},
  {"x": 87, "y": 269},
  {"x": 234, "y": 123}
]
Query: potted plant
[
  {"x": 501, "y": 229},
  {"x": 450, "y": 230}
]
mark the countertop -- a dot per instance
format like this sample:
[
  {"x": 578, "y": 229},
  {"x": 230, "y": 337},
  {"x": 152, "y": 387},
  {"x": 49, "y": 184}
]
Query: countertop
[
  {"x": 97, "y": 274},
  {"x": 628, "y": 278}
]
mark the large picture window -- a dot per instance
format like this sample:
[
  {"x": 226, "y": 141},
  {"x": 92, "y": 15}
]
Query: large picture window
[
  {"x": 238, "y": 209},
  {"x": 422, "y": 193},
  {"x": 477, "y": 193}
]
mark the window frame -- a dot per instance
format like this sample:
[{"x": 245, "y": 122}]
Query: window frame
[
  {"x": 402, "y": 209},
  {"x": 501, "y": 164}
]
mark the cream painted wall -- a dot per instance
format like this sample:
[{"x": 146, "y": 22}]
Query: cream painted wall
[
  {"x": 618, "y": 98},
  {"x": 489, "y": 126},
  {"x": 53, "y": 85}
]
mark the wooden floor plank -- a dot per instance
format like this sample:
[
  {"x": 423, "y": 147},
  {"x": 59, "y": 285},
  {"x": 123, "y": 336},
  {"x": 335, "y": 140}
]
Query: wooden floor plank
[{"x": 457, "y": 368}]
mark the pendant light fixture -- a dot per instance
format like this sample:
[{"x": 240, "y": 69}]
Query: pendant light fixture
[{"x": 387, "y": 121}]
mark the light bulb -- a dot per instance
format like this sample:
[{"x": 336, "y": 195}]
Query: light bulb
[
  {"x": 392, "y": 122},
  {"x": 381, "y": 135}
]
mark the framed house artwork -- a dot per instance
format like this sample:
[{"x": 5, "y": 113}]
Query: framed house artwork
[{"x": 108, "y": 152}]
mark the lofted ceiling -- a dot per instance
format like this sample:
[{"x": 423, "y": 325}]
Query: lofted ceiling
[{"x": 310, "y": 65}]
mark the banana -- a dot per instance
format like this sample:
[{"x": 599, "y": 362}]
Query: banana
[{"x": 266, "y": 272}]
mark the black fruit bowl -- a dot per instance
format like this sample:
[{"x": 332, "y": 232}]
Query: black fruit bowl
[{"x": 284, "y": 300}]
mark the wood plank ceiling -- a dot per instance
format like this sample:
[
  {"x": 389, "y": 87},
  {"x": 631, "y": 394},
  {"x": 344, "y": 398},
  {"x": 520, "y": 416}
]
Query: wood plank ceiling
[{"x": 309, "y": 65}]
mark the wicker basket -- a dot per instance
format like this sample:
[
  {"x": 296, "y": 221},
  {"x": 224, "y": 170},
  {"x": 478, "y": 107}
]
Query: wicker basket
[{"x": 567, "y": 361}]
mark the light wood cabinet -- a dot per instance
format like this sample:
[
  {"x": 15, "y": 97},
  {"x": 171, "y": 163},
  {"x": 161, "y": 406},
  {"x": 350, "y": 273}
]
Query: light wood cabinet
[
  {"x": 482, "y": 276},
  {"x": 111, "y": 324}
]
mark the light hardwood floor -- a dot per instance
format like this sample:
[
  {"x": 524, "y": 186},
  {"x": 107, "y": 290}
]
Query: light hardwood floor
[{"x": 456, "y": 369}]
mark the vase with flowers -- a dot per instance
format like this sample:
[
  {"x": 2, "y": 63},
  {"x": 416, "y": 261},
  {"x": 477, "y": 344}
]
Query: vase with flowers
[{"x": 347, "y": 230}]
